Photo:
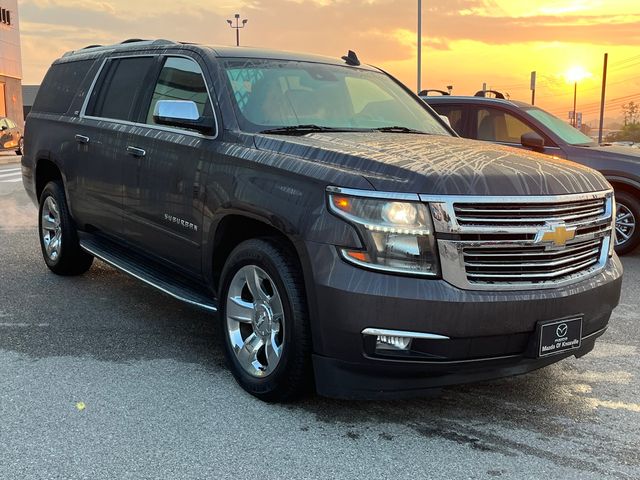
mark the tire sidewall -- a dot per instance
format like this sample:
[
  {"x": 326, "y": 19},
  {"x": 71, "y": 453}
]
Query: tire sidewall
[
  {"x": 633, "y": 204},
  {"x": 242, "y": 256}
]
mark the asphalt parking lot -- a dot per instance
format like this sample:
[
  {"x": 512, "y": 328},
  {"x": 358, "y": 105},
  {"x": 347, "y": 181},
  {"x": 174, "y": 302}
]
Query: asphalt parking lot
[{"x": 103, "y": 377}]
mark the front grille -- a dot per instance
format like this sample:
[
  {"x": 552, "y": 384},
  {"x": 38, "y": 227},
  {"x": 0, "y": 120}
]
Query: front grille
[
  {"x": 529, "y": 214},
  {"x": 529, "y": 264},
  {"x": 522, "y": 242}
]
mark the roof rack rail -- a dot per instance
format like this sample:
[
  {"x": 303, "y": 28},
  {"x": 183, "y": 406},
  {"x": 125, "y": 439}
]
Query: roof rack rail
[
  {"x": 133, "y": 40},
  {"x": 121, "y": 44},
  {"x": 425, "y": 93},
  {"x": 483, "y": 93}
]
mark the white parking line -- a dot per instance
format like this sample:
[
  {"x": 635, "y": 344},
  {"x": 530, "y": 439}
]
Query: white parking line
[
  {"x": 6, "y": 175},
  {"x": 6, "y": 170},
  {"x": 13, "y": 180}
]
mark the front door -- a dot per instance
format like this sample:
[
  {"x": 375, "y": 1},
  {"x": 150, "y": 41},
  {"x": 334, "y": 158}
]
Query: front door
[
  {"x": 497, "y": 125},
  {"x": 164, "y": 193}
]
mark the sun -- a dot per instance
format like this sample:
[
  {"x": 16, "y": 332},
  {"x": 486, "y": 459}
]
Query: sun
[{"x": 576, "y": 73}]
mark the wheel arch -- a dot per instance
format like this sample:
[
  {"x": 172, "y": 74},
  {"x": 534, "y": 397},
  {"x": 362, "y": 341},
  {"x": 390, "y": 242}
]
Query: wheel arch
[
  {"x": 237, "y": 227},
  {"x": 624, "y": 184},
  {"x": 46, "y": 170}
]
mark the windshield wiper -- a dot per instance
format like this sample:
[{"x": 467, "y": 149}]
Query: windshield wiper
[
  {"x": 396, "y": 129},
  {"x": 303, "y": 129}
]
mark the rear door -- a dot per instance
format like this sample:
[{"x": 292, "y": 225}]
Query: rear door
[
  {"x": 106, "y": 121},
  {"x": 166, "y": 169}
]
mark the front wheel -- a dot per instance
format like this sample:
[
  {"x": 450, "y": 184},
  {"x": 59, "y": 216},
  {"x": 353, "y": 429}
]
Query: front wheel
[
  {"x": 58, "y": 236},
  {"x": 627, "y": 217},
  {"x": 264, "y": 320}
]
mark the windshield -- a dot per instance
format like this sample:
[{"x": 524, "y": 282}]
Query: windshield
[
  {"x": 565, "y": 131},
  {"x": 272, "y": 94}
]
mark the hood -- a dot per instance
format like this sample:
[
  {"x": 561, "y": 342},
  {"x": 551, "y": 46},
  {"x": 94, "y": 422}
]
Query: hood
[
  {"x": 438, "y": 165},
  {"x": 628, "y": 154}
]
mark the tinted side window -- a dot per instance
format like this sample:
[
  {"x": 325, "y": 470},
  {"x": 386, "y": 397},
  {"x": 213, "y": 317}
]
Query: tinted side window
[
  {"x": 498, "y": 126},
  {"x": 181, "y": 79},
  {"x": 60, "y": 85},
  {"x": 121, "y": 83}
]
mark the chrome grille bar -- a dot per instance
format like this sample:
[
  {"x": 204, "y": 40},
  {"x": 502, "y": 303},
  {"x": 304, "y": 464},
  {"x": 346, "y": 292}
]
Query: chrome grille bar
[
  {"x": 543, "y": 263},
  {"x": 536, "y": 275},
  {"x": 504, "y": 253},
  {"x": 465, "y": 208}
]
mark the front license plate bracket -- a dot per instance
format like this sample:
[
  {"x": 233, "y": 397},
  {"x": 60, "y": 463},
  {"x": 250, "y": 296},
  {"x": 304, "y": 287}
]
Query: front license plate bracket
[{"x": 559, "y": 336}]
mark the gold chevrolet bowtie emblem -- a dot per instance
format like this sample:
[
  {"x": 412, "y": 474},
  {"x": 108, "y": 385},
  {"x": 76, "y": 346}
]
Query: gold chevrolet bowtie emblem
[{"x": 556, "y": 235}]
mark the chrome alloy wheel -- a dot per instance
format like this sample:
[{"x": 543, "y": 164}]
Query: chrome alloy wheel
[
  {"x": 255, "y": 321},
  {"x": 625, "y": 224},
  {"x": 51, "y": 228}
]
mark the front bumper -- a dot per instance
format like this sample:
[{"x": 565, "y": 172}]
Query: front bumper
[{"x": 491, "y": 333}]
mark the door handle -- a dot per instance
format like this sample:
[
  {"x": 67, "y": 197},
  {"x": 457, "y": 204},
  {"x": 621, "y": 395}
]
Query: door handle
[
  {"x": 136, "y": 152},
  {"x": 82, "y": 139}
]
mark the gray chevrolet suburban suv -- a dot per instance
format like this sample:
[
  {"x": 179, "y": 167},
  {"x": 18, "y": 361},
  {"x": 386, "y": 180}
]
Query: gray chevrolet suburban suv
[{"x": 345, "y": 236}]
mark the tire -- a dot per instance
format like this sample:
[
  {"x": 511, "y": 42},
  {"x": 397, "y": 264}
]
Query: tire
[
  {"x": 627, "y": 218},
  {"x": 251, "y": 344},
  {"x": 20, "y": 146},
  {"x": 58, "y": 236}
]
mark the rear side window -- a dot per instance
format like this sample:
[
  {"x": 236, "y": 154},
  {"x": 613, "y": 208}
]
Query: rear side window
[
  {"x": 120, "y": 84},
  {"x": 455, "y": 115},
  {"x": 60, "y": 86}
]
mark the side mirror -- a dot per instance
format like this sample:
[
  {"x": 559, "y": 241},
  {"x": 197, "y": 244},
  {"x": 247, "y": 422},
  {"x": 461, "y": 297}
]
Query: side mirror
[
  {"x": 532, "y": 140},
  {"x": 445, "y": 119},
  {"x": 181, "y": 114}
]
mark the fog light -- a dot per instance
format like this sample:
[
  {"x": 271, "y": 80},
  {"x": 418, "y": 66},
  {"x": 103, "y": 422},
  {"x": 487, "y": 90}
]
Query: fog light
[{"x": 388, "y": 342}]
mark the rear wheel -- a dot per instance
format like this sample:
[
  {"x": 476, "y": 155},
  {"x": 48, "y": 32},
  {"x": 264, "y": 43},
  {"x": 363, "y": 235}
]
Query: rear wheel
[
  {"x": 264, "y": 320},
  {"x": 58, "y": 236},
  {"x": 627, "y": 217}
]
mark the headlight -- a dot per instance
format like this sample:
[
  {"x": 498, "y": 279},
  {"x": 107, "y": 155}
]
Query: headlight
[{"x": 398, "y": 235}]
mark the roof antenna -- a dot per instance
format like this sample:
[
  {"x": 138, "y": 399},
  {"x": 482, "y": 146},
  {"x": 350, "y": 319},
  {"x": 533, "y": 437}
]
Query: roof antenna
[{"x": 351, "y": 58}]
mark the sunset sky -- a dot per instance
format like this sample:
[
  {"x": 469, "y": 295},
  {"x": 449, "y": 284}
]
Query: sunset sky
[{"x": 466, "y": 42}]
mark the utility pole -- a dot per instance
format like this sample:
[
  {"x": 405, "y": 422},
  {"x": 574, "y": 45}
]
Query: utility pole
[
  {"x": 575, "y": 105},
  {"x": 604, "y": 90},
  {"x": 533, "y": 88},
  {"x": 419, "y": 46},
  {"x": 237, "y": 27}
]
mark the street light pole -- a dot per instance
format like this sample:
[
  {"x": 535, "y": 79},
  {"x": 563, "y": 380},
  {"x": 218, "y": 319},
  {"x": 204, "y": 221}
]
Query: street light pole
[
  {"x": 419, "y": 45},
  {"x": 237, "y": 27}
]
